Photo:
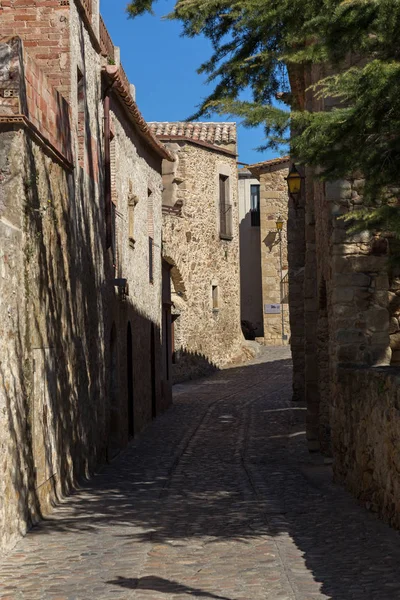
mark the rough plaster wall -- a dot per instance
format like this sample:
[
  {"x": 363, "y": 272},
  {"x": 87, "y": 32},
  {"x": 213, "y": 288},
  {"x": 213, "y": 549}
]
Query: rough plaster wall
[
  {"x": 138, "y": 172},
  {"x": 192, "y": 241},
  {"x": 250, "y": 260},
  {"x": 274, "y": 202}
]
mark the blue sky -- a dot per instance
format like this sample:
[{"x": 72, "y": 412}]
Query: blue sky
[{"x": 162, "y": 65}]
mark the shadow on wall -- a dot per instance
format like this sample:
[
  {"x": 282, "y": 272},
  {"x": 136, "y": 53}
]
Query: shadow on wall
[
  {"x": 58, "y": 394},
  {"x": 250, "y": 279},
  {"x": 271, "y": 240},
  {"x": 191, "y": 365},
  {"x": 218, "y": 491},
  {"x": 67, "y": 384},
  {"x": 55, "y": 374},
  {"x": 56, "y": 422}
]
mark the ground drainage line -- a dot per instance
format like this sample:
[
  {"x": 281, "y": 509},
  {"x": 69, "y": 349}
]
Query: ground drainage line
[
  {"x": 188, "y": 439},
  {"x": 259, "y": 500}
]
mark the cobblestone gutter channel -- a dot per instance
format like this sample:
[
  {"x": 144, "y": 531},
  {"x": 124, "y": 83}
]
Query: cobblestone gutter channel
[{"x": 218, "y": 499}]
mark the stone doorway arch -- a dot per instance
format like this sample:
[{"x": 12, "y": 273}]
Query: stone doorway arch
[{"x": 179, "y": 305}]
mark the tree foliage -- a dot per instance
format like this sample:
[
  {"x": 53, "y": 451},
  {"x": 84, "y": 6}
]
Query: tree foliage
[{"x": 257, "y": 43}]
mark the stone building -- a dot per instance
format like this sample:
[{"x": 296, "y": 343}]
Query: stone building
[
  {"x": 201, "y": 244},
  {"x": 344, "y": 312},
  {"x": 82, "y": 365},
  {"x": 264, "y": 249}
]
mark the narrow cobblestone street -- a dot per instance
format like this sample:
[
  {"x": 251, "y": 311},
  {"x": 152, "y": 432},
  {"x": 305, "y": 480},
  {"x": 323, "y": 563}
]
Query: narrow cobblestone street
[{"x": 218, "y": 499}]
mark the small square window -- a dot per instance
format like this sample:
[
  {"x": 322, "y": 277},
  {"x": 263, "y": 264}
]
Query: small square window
[{"x": 214, "y": 292}]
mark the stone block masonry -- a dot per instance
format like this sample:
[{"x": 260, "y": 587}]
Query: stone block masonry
[
  {"x": 81, "y": 350},
  {"x": 347, "y": 332},
  {"x": 201, "y": 243},
  {"x": 274, "y": 257},
  {"x": 366, "y": 437}
]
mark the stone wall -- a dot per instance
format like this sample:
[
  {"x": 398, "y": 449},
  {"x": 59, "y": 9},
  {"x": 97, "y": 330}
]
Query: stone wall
[
  {"x": 137, "y": 188},
  {"x": 53, "y": 427},
  {"x": 207, "y": 332},
  {"x": 80, "y": 334},
  {"x": 366, "y": 437},
  {"x": 274, "y": 259},
  {"x": 345, "y": 290},
  {"x": 349, "y": 335}
]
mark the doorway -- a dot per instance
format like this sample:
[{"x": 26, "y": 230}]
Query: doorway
[
  {"x": 129, "y": 372},
  {"x": 114, "y": 440},
  {"x": 153, "y": 371}
]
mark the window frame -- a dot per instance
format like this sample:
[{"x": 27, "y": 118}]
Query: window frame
[
  {"x": 215, "y": 297},
  {"x": 225, "y": 207},
  {"x": 255, "y": 210}
]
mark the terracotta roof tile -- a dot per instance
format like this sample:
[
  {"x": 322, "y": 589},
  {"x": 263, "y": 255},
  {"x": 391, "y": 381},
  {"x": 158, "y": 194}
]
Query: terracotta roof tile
[
  {"x": 269, "y": 163},
  {"x": 215, "y": 134},
  {"x": 121, "y": 86}
]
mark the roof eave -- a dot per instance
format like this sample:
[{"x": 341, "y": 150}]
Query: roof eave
[
  {"x": 267, "y": 165},
  {"x": 113, "y": 76},
  {"x": 188, "y": 140}
]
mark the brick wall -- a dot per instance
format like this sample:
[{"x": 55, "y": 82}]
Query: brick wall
[
  {"x": 44, "y": 27},
  {"x": 25, "y": 90}
]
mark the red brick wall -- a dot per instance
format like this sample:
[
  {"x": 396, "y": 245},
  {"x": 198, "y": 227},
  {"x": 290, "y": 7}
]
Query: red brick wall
[
  {"x": 48, "y": 110},
  {"x": 44, "y": 27},
  {"x": 33, "y": 96}
]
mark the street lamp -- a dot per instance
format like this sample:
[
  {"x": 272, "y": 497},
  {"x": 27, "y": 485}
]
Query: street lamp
[
  {"x": 294, "y": 180},
  {"x": 279, "y": 227},
  {"x": 279, "y": 224}
]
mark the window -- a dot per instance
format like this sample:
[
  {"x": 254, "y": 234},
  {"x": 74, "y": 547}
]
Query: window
[
  {"x": 255, "y": 205},
  {"x": 214, "y": 293},
  {"x": 225, "y": 209},
  {"x": 151, "y": 259}
]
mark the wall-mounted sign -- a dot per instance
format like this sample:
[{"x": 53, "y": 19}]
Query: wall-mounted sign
[{"x": 272, "y": 309}]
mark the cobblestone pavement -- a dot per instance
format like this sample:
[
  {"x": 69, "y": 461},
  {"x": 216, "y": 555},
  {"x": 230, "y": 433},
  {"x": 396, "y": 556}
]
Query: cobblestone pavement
[{"x": 218, "y": 499}]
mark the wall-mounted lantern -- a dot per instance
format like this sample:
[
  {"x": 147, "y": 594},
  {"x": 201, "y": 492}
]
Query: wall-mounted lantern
[
  {"x": 294, "y": 180},
  {"x": 279, "y": 224},
  {"x": 122, "y": 287}
]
